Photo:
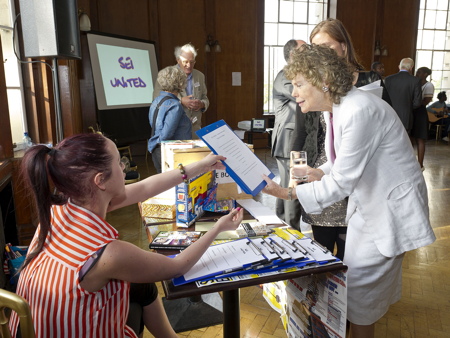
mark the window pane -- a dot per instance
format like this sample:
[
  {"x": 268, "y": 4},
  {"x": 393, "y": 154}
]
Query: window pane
[
  {"x": 5, "y": 13},
  {"x": 300, "y": 12},
  {"x": 423, "y": 58},
  {"x": 271, "y": 11},
  {"x": 443, "y": 4},
  {"x": 278, "y": 58},
  {"x": 428, "y": 39},
  {"x": 432, "y": 4},
  {"x": 436, "y": 79},
  {"x": 419, "y": 39},
  {"x": 441, "y": 20},
  {"x": 266, "y": 62},
  {"x": 285, "y": 33},
  {"x": 9, "y": 59},
  {"x": 438, "y": 61},
  {"x": 430, "y": 19},
  {"x": 16, "y": 114},
  {"x": 286, "y": 11},
  {"x": 301, "y": 32},
  {"x": 421, "y": 17},
  {"x": 316, "y": 11},
  {"x": 270, "y": 34},
  {"x": 439, "y": 40},
  {"x": 445, "y": 82}
]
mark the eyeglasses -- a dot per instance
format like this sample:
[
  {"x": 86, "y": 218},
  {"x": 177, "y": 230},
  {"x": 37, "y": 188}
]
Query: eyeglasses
[{"x": 185, "y": 62}]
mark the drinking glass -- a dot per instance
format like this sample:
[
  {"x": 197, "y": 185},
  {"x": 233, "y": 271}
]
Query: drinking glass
[{"x": 299, "y": 165}]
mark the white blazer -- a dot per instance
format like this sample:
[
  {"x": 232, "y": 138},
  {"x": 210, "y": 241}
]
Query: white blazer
[{"x": 376, "y": 167}]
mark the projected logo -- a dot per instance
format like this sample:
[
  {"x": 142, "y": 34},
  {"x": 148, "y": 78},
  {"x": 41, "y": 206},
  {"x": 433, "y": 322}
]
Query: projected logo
[{"x": 126, "y": 75}]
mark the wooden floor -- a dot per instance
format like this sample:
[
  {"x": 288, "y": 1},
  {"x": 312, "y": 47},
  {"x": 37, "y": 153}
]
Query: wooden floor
[{"x": 423, "y": 311}]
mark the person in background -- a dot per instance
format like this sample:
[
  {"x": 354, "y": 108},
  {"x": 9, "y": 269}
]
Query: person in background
[
  {"x": 419, "y": 132},
  {"x": 77, "y": 274},
  {"x": 404, "y": 91},
  {"x": 378, "y": 67},
  {"x": 332, "y": 33},
  {"x": 440, "y": 109},
  {"x": 387, "y": 211},
  {"x": 284, "y": 127},
  {"x": 440, "y": 105},
  {"x": 167, "y": 117},
  {"x": 194, "y": 97}
]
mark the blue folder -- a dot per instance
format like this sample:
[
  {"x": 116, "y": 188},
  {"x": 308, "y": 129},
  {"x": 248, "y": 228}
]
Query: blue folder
[{"x": 206, "y": 130}]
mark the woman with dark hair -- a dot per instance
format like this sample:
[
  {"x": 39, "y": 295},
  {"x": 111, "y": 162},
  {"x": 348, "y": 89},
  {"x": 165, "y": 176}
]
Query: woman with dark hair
[
  {"x": 387, "y": 211},
  {"x": 77, "y": 274}
]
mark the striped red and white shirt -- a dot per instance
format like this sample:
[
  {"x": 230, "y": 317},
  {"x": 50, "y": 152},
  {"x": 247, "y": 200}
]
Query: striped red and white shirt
[{"x": 60, "y": 307}]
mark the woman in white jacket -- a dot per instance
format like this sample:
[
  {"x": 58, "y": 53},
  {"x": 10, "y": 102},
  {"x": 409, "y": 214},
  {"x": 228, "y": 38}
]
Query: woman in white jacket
[{"x": 371, "y": 161}]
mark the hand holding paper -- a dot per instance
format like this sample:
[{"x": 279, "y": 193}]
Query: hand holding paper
[
  {"x": 274, "y": 189},
  {"x": 241, "y": 163},
  {"x": 212, "y": 162}
]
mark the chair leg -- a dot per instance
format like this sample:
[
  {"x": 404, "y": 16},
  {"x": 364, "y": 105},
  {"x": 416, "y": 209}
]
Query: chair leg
[{"x": 439, "y": 132}]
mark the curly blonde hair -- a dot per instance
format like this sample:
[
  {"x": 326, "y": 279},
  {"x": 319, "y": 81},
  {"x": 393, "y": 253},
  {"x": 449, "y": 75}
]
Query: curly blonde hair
[
  {"x": 320, "y": 64},
  {"x": 172, "y": 79}
]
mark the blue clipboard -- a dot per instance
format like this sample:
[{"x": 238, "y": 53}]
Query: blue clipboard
[{"x": 208, "y": 129}]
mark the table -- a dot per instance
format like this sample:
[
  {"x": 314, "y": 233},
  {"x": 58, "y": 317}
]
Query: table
[{"x": 231, "y": 305}]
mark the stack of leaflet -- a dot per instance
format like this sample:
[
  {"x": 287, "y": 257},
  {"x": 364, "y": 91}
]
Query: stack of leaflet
[{"x": 280, "y": 251}]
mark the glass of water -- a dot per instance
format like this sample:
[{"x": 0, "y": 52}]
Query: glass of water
[{"x": 299, "y": 165}]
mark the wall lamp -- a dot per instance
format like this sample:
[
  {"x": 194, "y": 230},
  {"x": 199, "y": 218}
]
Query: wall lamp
[
  {"x": 210, "y": 43},
  {"x": 85, "y": 22},
  {"x": 380, "y": 50}
]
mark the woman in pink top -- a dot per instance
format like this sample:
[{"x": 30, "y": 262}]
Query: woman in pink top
[{"x": 77, "y": 274}]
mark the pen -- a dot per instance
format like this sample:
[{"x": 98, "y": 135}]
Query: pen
[
  {"x": 254, "y": 246},
  {"x": 298, "y": 246},
  {"x": 273, "y": 248},
  {"x": 325, "y": 250},
  {"x": 292, "y": 247},
  {"x": 276, "y": 244},
  {"x": 263, "y": 242}
]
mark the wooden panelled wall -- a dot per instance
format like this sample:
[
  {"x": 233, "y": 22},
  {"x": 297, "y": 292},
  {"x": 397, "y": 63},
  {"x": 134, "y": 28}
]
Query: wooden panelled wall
[
  {"x": 238, "y": 25},
  {"x": 392, "y": 22}
]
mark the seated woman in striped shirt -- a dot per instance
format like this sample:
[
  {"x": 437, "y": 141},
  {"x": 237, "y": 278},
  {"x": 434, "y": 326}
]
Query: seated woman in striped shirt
[{"x": 77, "y": 274}]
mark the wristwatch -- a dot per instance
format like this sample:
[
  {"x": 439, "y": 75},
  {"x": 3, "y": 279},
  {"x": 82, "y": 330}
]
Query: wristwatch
[{"x": 290, "y": 194}]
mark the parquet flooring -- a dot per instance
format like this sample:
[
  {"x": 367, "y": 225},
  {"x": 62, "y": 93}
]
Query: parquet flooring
[{"x": 424, "y": 309}]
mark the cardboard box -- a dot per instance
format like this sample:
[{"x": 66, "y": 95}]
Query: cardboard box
[
  {"x": 190, "y": 198},
  {"x": 189, "y": 151},
  {"x": 160, "y": 206}
]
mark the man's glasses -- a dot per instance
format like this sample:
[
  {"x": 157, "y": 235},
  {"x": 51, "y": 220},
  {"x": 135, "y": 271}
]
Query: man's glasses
[{"x": 185, "y": 62}]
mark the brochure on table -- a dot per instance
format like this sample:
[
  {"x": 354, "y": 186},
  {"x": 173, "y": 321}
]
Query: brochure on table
[{"x": 241, "y": 163}]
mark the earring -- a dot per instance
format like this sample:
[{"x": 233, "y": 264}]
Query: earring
[{"x": 325, "y": 89}]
